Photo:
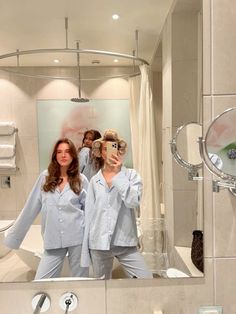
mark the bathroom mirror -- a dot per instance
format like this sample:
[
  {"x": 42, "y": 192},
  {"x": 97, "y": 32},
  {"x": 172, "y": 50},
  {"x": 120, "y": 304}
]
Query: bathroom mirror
[
  {"x": 185, "y": 148},
  {"x": 220, "y": 143},
  {"x": 177, "y": 98},
  {"x": 219, "y": 148}
]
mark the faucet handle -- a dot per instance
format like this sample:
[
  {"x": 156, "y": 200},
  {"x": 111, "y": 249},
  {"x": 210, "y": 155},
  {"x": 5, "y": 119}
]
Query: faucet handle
[
  {"x": 40, "y": 303},
  {"x": 68, "y": 301}
]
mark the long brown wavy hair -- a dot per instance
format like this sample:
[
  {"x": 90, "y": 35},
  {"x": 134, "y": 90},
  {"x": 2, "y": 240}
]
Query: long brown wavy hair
[
  {"x": 97, "y": 162},
  {"x": 54, "y": 171},
  {"x": 95, "y": 135}
]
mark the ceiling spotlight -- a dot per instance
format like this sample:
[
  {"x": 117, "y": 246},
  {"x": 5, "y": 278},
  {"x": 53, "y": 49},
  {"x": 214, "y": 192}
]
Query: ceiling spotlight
[
  {"x": 56, "y": 61},
  {"x": 115, "y": 16},
  {"x": 115, "y": 60}
]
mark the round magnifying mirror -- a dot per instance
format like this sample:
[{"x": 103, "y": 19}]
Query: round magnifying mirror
[
  {"x": 186, "y": 142},
  {"x": 220, "y": 143},
  {"x": 185, "y": 147}
]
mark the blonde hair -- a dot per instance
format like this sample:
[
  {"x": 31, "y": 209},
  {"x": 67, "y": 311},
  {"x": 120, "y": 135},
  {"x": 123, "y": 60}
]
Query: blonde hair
[{"x": 109, "y": 136}]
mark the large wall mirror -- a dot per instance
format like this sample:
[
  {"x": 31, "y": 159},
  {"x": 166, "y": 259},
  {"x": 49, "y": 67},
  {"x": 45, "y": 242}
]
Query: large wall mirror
[{"x": 166, "y": 232}]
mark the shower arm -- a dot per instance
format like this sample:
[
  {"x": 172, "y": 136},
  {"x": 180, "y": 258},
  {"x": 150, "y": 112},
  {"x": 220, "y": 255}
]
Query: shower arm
[{"x": 78, "y": 69}]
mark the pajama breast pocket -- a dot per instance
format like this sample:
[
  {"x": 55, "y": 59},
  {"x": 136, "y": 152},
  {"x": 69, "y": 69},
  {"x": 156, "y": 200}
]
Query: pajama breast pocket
[
  {"x": 75, "y": 205},
  {"x": 75, "y": 214}
]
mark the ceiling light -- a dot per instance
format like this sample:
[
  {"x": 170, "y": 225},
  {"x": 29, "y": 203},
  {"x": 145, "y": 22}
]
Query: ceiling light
[
  {"x": 56, "y": 61},
  {"x": 115, "y": 16},
  {"x": 116, "y": 60},
  {"x": 96, "y": 61}
]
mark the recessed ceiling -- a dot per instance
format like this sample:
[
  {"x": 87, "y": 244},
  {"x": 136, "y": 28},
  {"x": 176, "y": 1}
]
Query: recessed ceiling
[{"x": 29, "y": 25}]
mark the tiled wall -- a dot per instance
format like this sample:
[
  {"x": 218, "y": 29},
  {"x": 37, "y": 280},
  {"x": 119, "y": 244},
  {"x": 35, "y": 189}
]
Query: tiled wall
[
  {"x": 178, "y": 296},
  {"x": 219, "y": 94}
]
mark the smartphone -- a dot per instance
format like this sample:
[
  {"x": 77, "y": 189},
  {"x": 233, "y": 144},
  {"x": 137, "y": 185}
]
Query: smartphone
[{"x": 112, "y": 148}]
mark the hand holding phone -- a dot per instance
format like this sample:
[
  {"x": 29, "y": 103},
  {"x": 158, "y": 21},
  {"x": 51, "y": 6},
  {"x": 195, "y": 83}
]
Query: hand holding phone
[
  {"x": 113, "y": 156},
  {"x": 112, "y": 148}
]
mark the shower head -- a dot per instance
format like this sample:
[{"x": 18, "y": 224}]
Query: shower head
[{"x": 79, "y": 99}]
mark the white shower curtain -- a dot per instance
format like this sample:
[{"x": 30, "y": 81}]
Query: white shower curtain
[{"x": 144, "y": 142}]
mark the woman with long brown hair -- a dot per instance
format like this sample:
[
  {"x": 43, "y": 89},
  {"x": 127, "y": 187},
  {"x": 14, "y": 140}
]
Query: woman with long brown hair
[
  {"x": 59, "y": 195},
  {"x": 89, "y": 164}
]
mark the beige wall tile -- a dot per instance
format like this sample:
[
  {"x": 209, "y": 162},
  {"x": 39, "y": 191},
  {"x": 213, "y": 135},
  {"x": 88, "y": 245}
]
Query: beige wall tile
[
  {"x": 224, "y": 45},
  {"x": 173, "y": 296},
  {"x": 23, "y": 186},
  {"x": 27, "y": 154},
  {"x": 24, "y": 89},
  {"x": 167, "y": 157},
  {"x": 208, "y": 213},
  {"x": 6, "y": 92},
  {"x": 222, "y": 103},
  {"x": 56, "y": 89},
  {"x": 167, "y": 75},
  {"x": 180, "y": 179},
  {"x": 206, "y": 47},
  {"x": 8, "y": 202},
  {"x": 207, "y": 113},
  {"x": 8, "y": 215},
  {"x": 24, "y": 115},
  {"x": 185, "y": 217},
  {"x": 111, "y": 89},
  {"x": 208, "y": 195},
  {"x": 225, "y": 284},
  {"x": 184, "y": 92},
  {"x": 187, "y": 24},
  {"x": 225, "y": 224}
]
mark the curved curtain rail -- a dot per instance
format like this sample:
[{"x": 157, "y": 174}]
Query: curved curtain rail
[
  {"x": 69, "y": 50},
  {"x": 98, "y": 78}
]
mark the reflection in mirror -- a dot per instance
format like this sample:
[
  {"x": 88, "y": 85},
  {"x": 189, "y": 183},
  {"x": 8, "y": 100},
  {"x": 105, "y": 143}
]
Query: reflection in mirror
[
  {"x": 186, "y": 142},
  {"x": 182, "y": 198},
  {"x": 185, "y": 148},
  {"x": 165, "y": 229},
  {"x": 219, "y": 150},
  {"x": 220, "y": 142}
]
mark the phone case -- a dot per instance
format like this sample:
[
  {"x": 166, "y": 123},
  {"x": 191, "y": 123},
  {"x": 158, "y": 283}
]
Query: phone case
[{"x": 112, "y": 148}]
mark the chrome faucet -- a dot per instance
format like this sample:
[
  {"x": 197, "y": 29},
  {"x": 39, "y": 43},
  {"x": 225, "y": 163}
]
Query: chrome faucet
[{"x": 40, "y": 301}]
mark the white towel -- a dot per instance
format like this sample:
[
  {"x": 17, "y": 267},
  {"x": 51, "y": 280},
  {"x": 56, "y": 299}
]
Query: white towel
[
  {"x": 7, "y": 151},
  {"x": 7, "y": 128},
  {"x": 8, "y": 163},
  {"x": 8, "y": 139}
]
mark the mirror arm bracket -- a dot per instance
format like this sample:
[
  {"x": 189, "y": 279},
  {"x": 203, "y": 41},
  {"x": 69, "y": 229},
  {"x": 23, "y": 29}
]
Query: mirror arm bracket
[
  {"x": 227, "y": 183},
  {"x": 216, "y": 185},
  {"x": 193, "y": 175}
]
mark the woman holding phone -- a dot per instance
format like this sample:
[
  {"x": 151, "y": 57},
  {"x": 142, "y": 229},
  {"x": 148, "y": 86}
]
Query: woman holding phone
[{"x": 110, "y": 222}]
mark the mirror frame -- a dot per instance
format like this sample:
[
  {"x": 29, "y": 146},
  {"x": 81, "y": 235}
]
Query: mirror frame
[
  {"x": 192, "y": 169},
  {"x": 229, "y": 180}
]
